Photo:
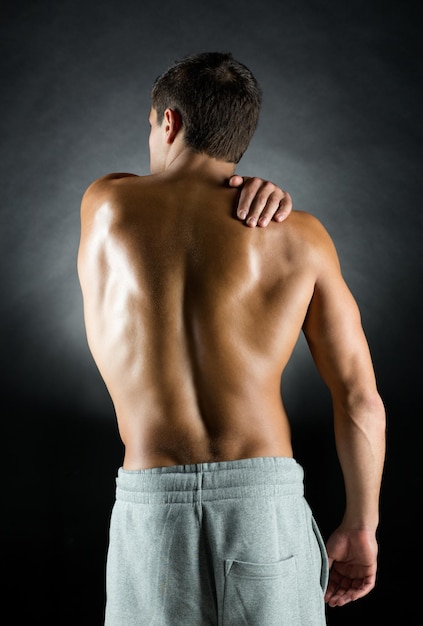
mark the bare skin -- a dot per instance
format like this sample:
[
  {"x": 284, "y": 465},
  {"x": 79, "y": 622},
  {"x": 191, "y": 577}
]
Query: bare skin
[{"x": 191, "y": 318}]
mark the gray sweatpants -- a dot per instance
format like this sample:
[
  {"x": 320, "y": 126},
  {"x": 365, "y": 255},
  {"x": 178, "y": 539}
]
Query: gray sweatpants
[{"x": 222, "y": 544}]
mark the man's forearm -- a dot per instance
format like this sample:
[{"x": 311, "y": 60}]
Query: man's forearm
[{"x": 360, "y": 442}]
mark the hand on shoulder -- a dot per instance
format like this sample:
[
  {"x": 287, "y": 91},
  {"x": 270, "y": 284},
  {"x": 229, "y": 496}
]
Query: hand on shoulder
[{"x": 260, "y": 201}]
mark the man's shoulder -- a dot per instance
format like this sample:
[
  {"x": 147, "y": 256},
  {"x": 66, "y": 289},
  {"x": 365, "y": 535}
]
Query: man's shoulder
[
  {"x": 306, "y": 226},
  {"x": 108, "y": 182},
  {"x": 304, "y": 237},
  {"x": 110, "y": 188},
  {"x": 315, "y": 238}
]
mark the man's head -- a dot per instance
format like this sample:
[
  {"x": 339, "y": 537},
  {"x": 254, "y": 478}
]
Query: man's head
[{"x": 218, "y": 100}]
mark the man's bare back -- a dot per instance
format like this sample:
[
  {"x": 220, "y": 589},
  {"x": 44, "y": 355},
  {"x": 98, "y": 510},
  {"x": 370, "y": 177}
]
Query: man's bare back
[{"x": 192, "y": 317}]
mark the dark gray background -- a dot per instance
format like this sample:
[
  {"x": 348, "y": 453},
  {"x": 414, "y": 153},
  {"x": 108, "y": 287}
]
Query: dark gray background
[{"x": 340, "y": 129}]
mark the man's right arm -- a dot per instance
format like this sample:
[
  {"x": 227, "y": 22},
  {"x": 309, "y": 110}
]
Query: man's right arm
[{"x": 340, "y": 350}]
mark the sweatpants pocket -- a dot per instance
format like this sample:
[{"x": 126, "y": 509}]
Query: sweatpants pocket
[{"x": 261, "y": 594}]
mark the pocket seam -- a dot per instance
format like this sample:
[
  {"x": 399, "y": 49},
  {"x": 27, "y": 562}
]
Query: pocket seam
[{"x": 245, "y": 569}]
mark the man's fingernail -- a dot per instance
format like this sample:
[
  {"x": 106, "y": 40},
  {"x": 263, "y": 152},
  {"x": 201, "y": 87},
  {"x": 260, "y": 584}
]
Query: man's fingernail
[
  {"x": 251, "y": 221},
  {"x": 242, "y": 215}
]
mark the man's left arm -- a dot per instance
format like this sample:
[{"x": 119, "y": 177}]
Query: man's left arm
[{"x": 260, "y": 201}]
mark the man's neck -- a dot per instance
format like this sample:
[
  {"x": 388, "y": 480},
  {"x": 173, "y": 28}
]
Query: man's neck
[{"x": 190, "y": 163}]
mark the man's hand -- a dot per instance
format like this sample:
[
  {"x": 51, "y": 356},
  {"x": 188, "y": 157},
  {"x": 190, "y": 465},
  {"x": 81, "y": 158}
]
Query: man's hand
[
  {"x": 260, "y": 201},
  {"x": 353, "y": 562}
]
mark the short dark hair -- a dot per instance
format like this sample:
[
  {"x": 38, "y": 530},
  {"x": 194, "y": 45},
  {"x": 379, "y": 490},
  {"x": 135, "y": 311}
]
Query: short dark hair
[{"x": 218, "y": 99}]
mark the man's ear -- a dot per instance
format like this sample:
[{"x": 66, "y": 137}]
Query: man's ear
[{"x": 173, "y": 124}]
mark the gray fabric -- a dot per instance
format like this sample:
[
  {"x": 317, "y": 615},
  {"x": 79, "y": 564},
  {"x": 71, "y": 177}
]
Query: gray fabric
[{"x": 222, "y": 544}]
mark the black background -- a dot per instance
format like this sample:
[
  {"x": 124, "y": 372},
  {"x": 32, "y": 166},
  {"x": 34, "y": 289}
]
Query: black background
[{"x": 340, "y": 130}]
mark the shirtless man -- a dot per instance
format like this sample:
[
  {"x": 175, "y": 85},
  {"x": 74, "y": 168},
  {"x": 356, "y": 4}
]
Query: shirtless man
[{"x": 191, "y": 318}]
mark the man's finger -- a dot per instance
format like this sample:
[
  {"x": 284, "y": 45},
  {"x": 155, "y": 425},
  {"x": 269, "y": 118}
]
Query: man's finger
[
  {"x": 249, "y": 197},
  {"x": 271, "y": 209},
  {"x": 285, "y": 208},
  {"x": 236, "y": 181},
  {"x": 263, "y": 192}
]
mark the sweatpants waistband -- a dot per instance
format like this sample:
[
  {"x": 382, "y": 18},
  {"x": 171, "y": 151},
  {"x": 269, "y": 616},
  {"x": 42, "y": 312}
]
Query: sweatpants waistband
[{"x": 202, "y": 482}]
